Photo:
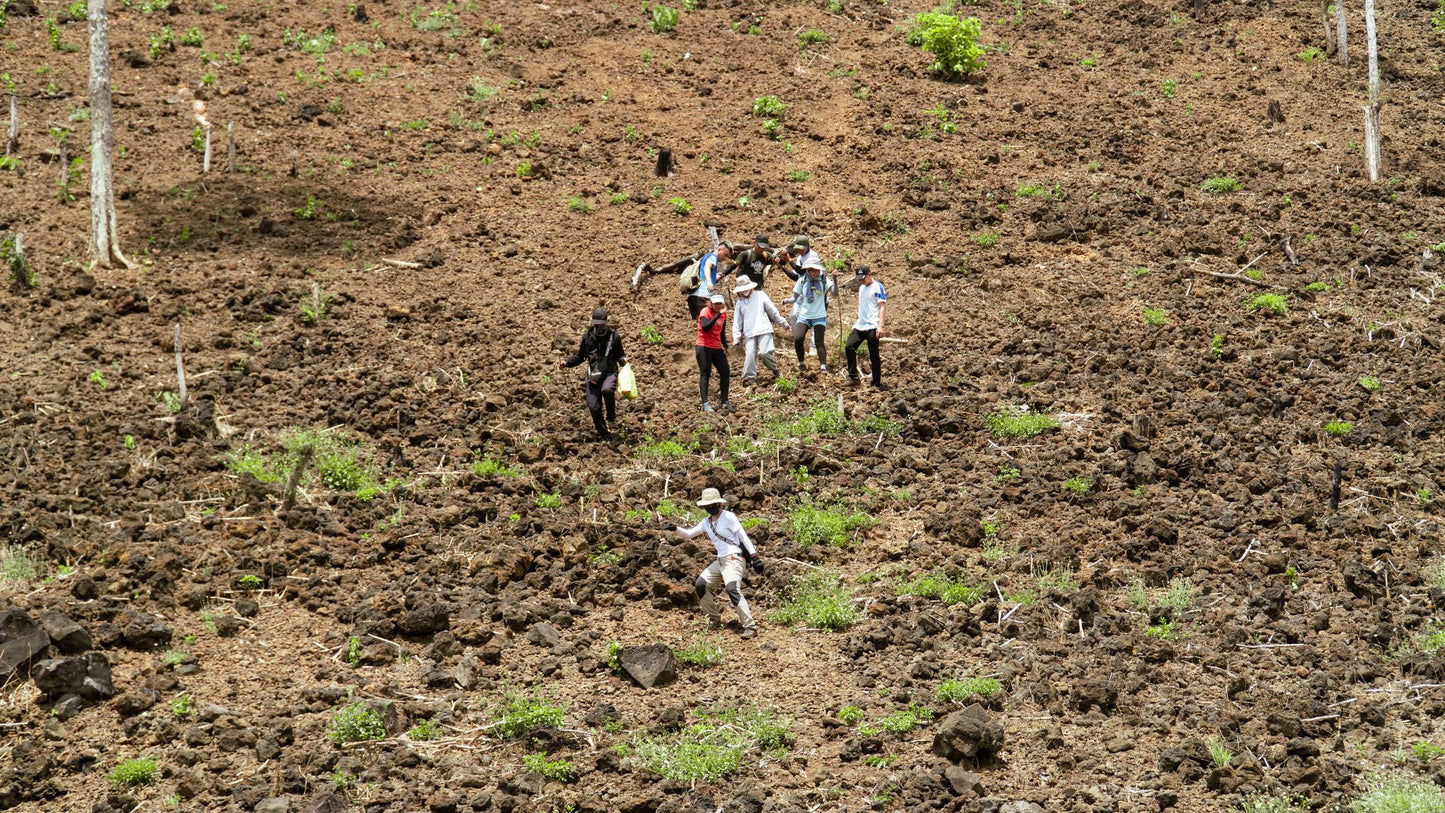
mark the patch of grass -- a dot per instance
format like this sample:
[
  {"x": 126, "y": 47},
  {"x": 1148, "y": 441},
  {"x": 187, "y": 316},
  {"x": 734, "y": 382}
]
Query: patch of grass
[
  {"x": 1156, "y": 317},
  {"x": 1426, "y": 751},
  {"x": 1219, "y": 753},
  {"x": 1177, "y": 597},
  {"x": 1079, "y": 485},
  {"x": 1369, "y": 383},
  {"x": 1220, "y": 185},
  {"x": 316, "y": 44},
  {"x": 985, "y": 239},
  {"x": 817, "y": 599},
  {"x": 16, "y": 565},
  {"x": 664, "y": 449},
  {"x": 356, "y": 722},
  {"x": 133, "y": 772},
  {"x": 558, "y": 770},
  {"x": 944, "y": 588},
  {"x": 1019, "y": 422},
  {"x": 903, "y": 721},
  {"x": 1338, "y": 429},
  {"x": 957, "y": 690},
  {"x": 580, "y": 205},
  {"x": 700, "y": 652},
  {"x": 817, "y": 523},
  {"x": 1163, "y": 630},
  {"x": 1389, "y": 792},
  {"x": 1431, "y": 639},
  {"x": 1434, "y": 572},
  {"x": 487, "y": 467},
  {"x": 786, "y": 385},
  {"x": 1270, "y": 303},
  {"x": 1057, "y": 577},
  {"x": 518, "y": 715},
  {"x": 424, "y": 730},
  {"x": 1031, "y": 190},
  {"x": 811, "y": 36},
  {"x": 1275, "y": 803},
  {"x": 1007, "y": 473},
  {"x": 548, "y": 502}
]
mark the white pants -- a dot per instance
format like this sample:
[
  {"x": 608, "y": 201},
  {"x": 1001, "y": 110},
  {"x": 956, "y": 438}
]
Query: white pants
[
  {"x": 724, "y": 574},
  {"x": 758, "y": 347}
]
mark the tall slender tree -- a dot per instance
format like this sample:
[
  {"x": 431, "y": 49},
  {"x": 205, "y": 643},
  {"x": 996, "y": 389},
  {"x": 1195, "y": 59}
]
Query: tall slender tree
[{"x": 104, "y": 239}]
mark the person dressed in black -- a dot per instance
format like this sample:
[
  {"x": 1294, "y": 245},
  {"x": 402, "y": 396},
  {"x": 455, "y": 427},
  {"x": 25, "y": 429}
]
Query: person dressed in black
[{"x": 602, "y": 350}]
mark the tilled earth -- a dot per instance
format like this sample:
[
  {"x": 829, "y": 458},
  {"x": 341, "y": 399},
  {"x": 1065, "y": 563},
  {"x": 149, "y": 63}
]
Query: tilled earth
[{"x": 460, "y": 185}]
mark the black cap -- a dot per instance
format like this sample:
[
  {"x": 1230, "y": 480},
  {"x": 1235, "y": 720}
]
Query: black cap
[
  {"x": 762, "y": 241},
  {"x": 862, "y": 271},
  {"x": 599, "y": 316}
]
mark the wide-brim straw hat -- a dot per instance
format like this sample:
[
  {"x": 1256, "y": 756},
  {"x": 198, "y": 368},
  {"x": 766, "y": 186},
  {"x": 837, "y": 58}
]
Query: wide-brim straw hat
[
  {"x": 711, "y": 496},
  {"x": 744, "y": 285}
]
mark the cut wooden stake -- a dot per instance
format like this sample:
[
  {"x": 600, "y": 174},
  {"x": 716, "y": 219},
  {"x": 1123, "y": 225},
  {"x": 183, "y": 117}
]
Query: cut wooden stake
[
  {"x": 637, "y": 275},
  {"x": 181, "y": 371},
  {"x": 400, "y": 263},
  {"x": 231, "y": 146},
  {"x": 12, "y": 144},
  {"x": 295, "y": 478},
  {"x": 1342, "y": 44},
  {"x": 1372, "y": 110},
  {"x": 206, "y": 161}
]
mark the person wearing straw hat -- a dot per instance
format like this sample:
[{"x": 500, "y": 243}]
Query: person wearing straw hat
[
  {"x": 735, "y": 551},
  {"x": 602, "y": 350},
  {"x": 754, "y": 316}
]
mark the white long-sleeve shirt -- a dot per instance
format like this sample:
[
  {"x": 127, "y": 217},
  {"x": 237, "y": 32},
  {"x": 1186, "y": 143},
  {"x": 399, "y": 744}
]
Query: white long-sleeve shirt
[
  {"x": 755, "y": 315},
  {"x": 726, "y": 533}
]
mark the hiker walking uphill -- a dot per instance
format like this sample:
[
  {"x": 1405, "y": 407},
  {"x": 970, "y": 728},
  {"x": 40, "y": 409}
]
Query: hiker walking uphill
[
  {"x": 709, "y": 272},
  {"x": 754, "y": 315},
  {"x": 868, "y": 328},
  {"x": 602, "y": 350},
  {"x": 710, "y": 352},
  {"x": 810, "y": 314},
  {"x": 735, "y": 551}
]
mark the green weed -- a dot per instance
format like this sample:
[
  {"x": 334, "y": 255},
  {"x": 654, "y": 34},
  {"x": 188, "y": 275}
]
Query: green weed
[
  {"x": 957, "y": 690},
  {"x": 1155, "y": 317},
  {"x": 518, "y": 715},
  {"x": 1270, "y": 303},
  {"x": 1338, "y": 429},
  {"x": 1387, "y": 792},
  {"x": 424, "y": 730},
  {"x": 1019, "y": 422},
  {"x": 356, "y": 722},
  {"x": 559, "y": 770},
  {"x": 16, "y": 565},
  {"x": 1220, "y": 185},
  {"x": 651, "y": 335},
  {"x": 818, "y": 600},
  {"x": 663, "y": 20},
  {"x": 817, "y": 523},
  {"x": 1078, "y": 485},
  {"x": 768, "y": 107},
  {"x": 952, "y": 41},
  {"x": 487, "y": 467},
  {"x": 1369, "y": 383},
  {"x": 947, "y": 589},
  {"x": 700, "y": 652},
  {"x": 133, "y": 772}
]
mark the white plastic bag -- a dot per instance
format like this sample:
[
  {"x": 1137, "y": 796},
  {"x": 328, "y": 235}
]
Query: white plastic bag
[{"x": 627, "y": 382}]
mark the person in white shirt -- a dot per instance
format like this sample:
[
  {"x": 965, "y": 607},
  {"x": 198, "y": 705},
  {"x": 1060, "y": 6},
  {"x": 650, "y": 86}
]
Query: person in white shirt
[
  {"x": 869, "y": 327},
  {"x": 735, "y": 551},
  {"x": 754, "y": 316}
]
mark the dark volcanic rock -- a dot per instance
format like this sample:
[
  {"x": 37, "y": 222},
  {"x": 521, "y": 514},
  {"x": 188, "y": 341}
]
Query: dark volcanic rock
[
  {"x": 969, "y": 734},
  {"x": 20, "y": 641},
  {"x": 650, "y": 666}
]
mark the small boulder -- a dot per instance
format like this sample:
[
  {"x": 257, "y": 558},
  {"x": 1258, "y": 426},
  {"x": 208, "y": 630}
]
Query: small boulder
[
  {"x": 972, "y": 733},
  {"x": 69, "y": 636},
  {"x": 20, "y": 641},
  {"x": 650, "y": 666}
]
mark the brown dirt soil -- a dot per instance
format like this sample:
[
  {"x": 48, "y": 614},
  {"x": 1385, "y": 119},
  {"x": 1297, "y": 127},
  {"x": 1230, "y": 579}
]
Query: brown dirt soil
[{"x": 1304, "y": 649}]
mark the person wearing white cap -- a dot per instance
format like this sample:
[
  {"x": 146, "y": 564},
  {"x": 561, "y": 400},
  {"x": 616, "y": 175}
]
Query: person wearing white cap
[
  {"x": 754, "y": 315},
  {"x": 735, "y": 551},
  {"x": 711, "y": 355},
  {"x": 810, "y": 313}
]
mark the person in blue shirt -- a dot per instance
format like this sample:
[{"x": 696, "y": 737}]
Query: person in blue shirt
[
  {"x": 810, "y": 313},
  {"x": 869, "y": 327},
  {"x": 709, "y": 272}
]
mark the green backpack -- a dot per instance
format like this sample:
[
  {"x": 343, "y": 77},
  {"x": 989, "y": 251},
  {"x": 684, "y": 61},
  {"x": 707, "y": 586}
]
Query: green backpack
[{"x": 688, "y": 280}]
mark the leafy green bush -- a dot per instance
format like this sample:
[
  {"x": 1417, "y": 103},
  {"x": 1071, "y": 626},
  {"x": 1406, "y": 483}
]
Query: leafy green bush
[
  {"x": 950, "y": 590},
  {"x": 768, "y": 107},
  {"x": 957, "y": 690},
  {"x": 904, "y": 720},
  {"x": 1019, "y": 422},
  {"x": 663, "y": 20},
  {"x": 1270, "y": 303},
  {"x": 518, "y": 715},
  {"x": 559, "y": 770},
  {"x": 953, "y": 43},
  {"x": 681, "y": 207},
  {"x": 1079, "y": 485},
  {"x": 357, "y": 722},
  {"x": 1338, "y": 429},
  {"x": 133, "y": 772},
  {"x": 819, "y": 600},
  {"x": 1156, "y": 317},
  {"x": 810, "y": 37},
  {"x": 812, "y": 523},
  {"x": 852, "y": 715}
]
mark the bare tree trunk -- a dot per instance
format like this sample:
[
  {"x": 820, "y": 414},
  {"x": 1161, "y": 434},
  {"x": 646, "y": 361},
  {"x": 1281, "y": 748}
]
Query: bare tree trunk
[
  {"x": 104, "y": 237},
  {"x": 1342, "y": 42},
  {"x": 1372, "y": 110}
]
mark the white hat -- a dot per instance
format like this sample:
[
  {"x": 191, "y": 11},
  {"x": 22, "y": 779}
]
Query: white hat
[
  {"x": 717, "y": 298},
  {"x": 818, "y": 264},
  {"x": 744, "y": 284},
  {"x": 710, "y": 496}
]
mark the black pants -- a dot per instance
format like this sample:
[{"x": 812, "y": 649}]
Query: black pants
[
  {"x": 707, "y": 359},
  {"x": 602, "y": 393},
  {"x": 856, "y": 338},
  {"x": 820, "y": 343},
  {"x": 695, "y": 304}
]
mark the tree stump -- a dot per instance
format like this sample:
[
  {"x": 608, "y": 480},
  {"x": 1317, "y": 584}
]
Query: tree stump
[{"x": 664, "y": 163}]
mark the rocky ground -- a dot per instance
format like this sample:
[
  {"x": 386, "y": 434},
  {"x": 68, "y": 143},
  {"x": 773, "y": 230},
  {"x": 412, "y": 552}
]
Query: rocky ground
[{"x": 428, "y": 202}]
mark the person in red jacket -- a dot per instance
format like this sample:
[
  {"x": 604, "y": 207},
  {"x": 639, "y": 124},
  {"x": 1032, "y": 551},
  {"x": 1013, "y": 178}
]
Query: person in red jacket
[{"x": 710, "y": 352}]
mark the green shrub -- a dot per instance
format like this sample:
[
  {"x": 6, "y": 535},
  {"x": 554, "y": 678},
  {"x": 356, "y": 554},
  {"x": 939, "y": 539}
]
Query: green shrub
[
  {"x": 518, "y": 715},
  {"x": 852, "y": 715},
  {"x": 487, "y": 467},
  {"x": 424, "y": 730},
  {"x": 664, "y": 449},
  {"x": 905, "y": 720},
  {"x": 957, "y": 690},
  {"x": 1270, "y": 303},
  {"x": 1019, "y": 422},
  {"x": 606, "y": 556},
  {"x": 953, "y": 43},
  {"x": 701, "y": 652},
  {"x": 133, "y": 772},
  {"x": 817, "y": 599},
  {"x": 651, "y": 335},
  {"x": 699, "y": 752},
  {"x": 357, "y": 722},
  {"x": 17, "y": 565},
  {"x": 1156, "y": 317},
  {"x": 307, "y": 43},
  {"x": 986, "y": 239},
  {"x": 580, "y": 205},
  {"x": 811, "y": 36},
  {"x": 813, "y": 523},
  {"x": 949, "y": 590},
  {"x": 1176, "y": 597},
  {"x": 663, "y": 20},
  {"x": 1220, "y": 185},
  {"x": 768, "y": 107},
  {"x": 1388, "y": 792},
  {"x": 559, "y": 770},
  {"x": 1338, "y": 429},
  {"x": 1079, "y": 485},
  {"x": 1369, "y": 383}
]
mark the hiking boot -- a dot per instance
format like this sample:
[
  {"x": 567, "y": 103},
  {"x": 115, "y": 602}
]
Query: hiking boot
[
  {"x": 707, "y": 406},
  {"x": 822, "y": 368},
  {"x": 712, "y": 624},
  {"x": 879, "y": 386},
  {"x": 854, "y": 381},
  {"x": 749, "y": 633},
  {"x": 727, "y": 406}
]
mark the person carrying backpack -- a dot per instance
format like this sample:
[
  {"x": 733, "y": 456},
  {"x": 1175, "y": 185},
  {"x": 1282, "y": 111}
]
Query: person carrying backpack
[
  {"x": 735, "y": 552},
  {"x": 709, "y": 272},
  {"x": 710, "y": 352},
  {"x": 810, "y": 313},
  {"x": 602, "y": 350}
]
